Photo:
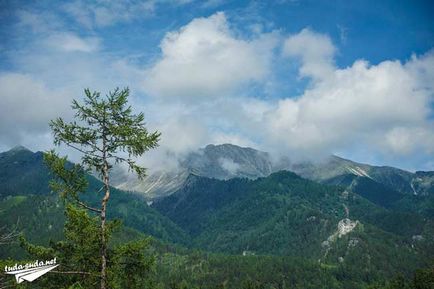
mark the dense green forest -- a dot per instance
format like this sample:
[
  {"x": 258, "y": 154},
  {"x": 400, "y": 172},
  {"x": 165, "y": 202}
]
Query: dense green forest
[{"x": 239, "y": 233}]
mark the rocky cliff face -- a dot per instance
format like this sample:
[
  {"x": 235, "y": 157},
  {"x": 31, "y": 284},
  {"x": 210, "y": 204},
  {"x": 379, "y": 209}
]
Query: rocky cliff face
[
  {"x": 214, "y": 161},
  {"x": 228, "y": 161}
]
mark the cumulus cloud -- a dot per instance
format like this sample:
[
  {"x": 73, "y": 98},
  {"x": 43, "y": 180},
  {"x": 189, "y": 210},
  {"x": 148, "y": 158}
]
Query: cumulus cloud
[
  {"x": 205, "y": 58},
  {"x": 377, "y": 106},
  {"x": 45, "y": 74},
  {"x": 383, "y": 108},
  {"x": 315, "y": 50},
  {"x": 180, "y": 135},
  {"x": 200, "y": 92},
  {"x": 27, "y": 106}
]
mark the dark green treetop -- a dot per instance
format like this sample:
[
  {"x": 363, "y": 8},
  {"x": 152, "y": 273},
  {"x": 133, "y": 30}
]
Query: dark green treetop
[{"x": 106, "y": 128}]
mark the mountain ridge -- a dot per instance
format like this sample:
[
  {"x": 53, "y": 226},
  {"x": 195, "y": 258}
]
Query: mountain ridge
[
  {"x": 282, "y": 214},
  {"x": 285, "y": 214},
  {"x": 230, "y": 161}
]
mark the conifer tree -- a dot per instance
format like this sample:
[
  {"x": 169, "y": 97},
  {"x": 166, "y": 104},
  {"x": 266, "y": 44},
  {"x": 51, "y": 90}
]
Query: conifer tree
[{"x": 106, "y": 132}]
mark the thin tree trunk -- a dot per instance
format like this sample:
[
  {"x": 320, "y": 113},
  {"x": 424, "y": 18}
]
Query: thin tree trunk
[
  {"x": 103, "y": 235},
  {"x": 103, "y": 220}
]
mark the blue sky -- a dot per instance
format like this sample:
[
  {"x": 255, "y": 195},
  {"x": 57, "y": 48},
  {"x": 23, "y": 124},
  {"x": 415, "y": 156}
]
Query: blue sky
[
  {"x": 299, "y": 78},
  {"x": 373, "y": 30}
]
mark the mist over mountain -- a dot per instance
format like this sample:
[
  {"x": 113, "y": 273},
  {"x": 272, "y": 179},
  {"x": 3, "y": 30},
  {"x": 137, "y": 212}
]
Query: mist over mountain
[
  {"x": 228, "y": 161},
  {"x": 230, "y": 200}
]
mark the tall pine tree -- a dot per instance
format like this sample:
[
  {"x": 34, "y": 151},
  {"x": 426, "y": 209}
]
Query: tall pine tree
[{"x": 105, "y": 131}]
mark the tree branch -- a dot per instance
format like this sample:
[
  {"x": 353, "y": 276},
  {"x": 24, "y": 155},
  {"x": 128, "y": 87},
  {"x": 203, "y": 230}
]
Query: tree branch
[
  {"x": 121, "y": 159},
  {"x": 81, "y": 150},
  {"x": 86, "y": 206}
]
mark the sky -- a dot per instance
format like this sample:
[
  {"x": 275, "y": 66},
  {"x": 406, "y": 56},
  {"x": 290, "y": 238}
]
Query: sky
[{"x": 299, "y": 78}]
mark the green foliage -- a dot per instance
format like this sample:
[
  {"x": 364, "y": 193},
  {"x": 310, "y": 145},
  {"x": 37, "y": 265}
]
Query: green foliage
[
  {"x": 22, "y": 172},
  {"x": 39, "y": 217},
  {"x": 79, "y": 259},
  {"x": 202, "y": 270},
  {"x": 27, "y": 203},
  {"x": 106, "y": 130},
  {"x": 284, "y": 214},
  {"x": 78, "y": 252},
  {"x": 422, "y": 279},
  {"x": 280, "y": 215},
  {"x": 131, "y": 268},
  {"x": 68, "y": 182},
  {"x": 107, "y": 127},
  {"x": 376, "y": 192}
]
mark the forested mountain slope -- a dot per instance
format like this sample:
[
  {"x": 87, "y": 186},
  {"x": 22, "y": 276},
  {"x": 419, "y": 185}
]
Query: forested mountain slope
[
  {"x": 27, "y": 203},
  {"x": 381, "y": 184},
  {"x": 284, "y": 214},
  {"x": 336, "y": 231}
]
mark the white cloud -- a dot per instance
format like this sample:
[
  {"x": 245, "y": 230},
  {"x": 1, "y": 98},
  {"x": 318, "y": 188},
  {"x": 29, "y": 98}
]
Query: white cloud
[
  {"x": 232, "y": 138},
  {"x": 70, "y": 42},
  {"x": 383, "y": 107},
  {"x": 315, "y": 50},
  {"x": 37, "y": 22},
  {"x": 180, "y": 134},
  {"x": 200, "y": 91},
  {"x": 205, "y": 58},
  {"x": 104, "y": 13},
  {"x": 404, "y": 140},
  {"x": 27, "y": 106},
  {"x": 229, "y": 165}
]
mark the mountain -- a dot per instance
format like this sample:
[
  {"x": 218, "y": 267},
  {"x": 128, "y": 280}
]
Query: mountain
[
  {"x": 27, "y": 203},
  {"x": 22, "y": 172},
  {"x": 214, "y": 161},
  {"x": 286, "y": 215},
  {"x": 154, "y": 186},
  {"x": 381, "y": 184},
  {"x": 229, "y": 161},
  {"x": 308, "y": 230}
]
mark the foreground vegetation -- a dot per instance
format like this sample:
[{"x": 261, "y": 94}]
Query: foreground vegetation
[
  {"x": 281, "y": 231},
  {"x": 158, "y": 265}
]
